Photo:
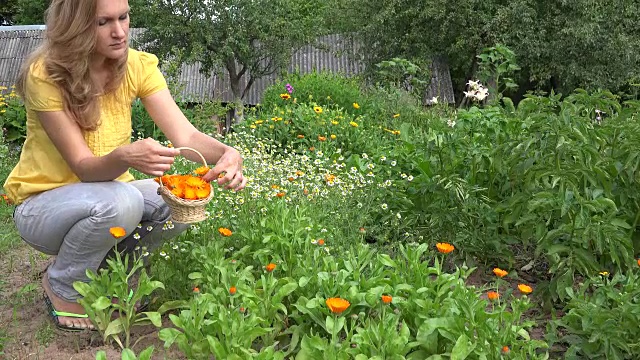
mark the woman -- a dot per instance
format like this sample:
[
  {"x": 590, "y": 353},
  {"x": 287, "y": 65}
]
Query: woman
[{"x": 72, "y": 183}]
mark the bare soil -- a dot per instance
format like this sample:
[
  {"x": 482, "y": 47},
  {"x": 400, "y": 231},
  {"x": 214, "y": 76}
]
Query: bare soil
[{"x": 28, "y": 331}]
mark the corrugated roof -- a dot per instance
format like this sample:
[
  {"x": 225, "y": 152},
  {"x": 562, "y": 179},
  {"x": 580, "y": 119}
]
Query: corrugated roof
[{"x": 16, "y": 42}]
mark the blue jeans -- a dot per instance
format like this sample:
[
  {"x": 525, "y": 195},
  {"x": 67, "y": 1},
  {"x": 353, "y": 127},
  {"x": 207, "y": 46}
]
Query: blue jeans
[{"x": 73, "y": 222}]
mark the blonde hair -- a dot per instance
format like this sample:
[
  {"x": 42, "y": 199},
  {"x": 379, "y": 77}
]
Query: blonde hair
[{"x": 70, "y": 40}]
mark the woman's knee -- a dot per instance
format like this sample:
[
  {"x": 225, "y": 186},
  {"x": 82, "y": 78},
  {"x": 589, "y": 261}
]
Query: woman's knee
[{"x": 119, "y": 204}]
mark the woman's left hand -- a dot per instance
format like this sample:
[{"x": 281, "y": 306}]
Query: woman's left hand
[{"x": 228, "y": 171}]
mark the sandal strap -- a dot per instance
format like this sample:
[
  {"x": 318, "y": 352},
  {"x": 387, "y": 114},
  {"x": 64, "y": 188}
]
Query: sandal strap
[{"x": 68, "y": 314}]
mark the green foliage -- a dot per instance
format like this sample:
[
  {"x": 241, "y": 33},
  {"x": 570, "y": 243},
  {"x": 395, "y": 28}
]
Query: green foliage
[
  {"x": 13, "y": 116},
  {"x": 322, "y": 88},
  {"x": 560, "y": 45},
  {"x": 97, "y": 301},
  {"x": 496, "y": 66},
  {"x": 602, "y": 319},
  {"x": 399, "y": 73}
]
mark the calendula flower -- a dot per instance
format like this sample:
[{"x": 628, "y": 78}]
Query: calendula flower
[
  {"x": 322, "y": 138},
  {"x": 499, "y": 272},
  {"x": 387, "y": 299},
  {"x": 280, "y": 194},
  {"x": 300, "y": 136},
  {"x": 196, "y": 290},
  {"x": 202, "y": 170},
  {"x": 225, "y": 232},
  {"x": 445, "y": 248},
  {"x": 117, "y": 232},
  {"x": 604, "y": 273},
  {"x": 333, "y": 136},
  {"x": 321, "y": 242},
  {"x": 353, "y": 123},
  {"x": 337, "y": 305},
  {"x": 232, "y": 290},
  {"x": 492, "y": 295},
  {"x": 285, "y": 96},
  {"x": 356, "y": 106},
  {"x": 525, "y": 289},
  {"x": 270, "y": 267},
  {"x": 317, "y": 109},
  {"x": 638, "y": 262},
  {"x": 395, "y": 116},
  {"x": 505, "y": 349}
]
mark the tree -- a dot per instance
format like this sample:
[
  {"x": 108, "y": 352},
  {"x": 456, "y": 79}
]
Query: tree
[
  {"x": 559, "y": 45},
  {"x": 251, "y": 38}
]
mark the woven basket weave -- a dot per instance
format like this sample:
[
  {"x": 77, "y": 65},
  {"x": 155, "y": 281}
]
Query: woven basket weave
[{"x": 186, "y": 211}]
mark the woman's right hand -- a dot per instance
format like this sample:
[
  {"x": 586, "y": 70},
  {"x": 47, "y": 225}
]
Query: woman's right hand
[{"x": 149, "y": 156}]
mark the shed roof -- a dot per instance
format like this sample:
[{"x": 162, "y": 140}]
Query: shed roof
[{"x": 17, "y": 42}]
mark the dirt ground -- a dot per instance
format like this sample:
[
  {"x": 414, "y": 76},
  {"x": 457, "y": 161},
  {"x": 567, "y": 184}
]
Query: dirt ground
[{"x": 27, "y": 330}]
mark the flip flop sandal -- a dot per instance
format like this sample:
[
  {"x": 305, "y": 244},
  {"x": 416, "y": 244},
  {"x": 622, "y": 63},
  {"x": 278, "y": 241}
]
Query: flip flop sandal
[{"x": 54, "y": 314}]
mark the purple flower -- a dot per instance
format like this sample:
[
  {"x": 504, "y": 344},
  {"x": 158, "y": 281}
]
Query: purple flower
[{"x": 289, "y": 88}]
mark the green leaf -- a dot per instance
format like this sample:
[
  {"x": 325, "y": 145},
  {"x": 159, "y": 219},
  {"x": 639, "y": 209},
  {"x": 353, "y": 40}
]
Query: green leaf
[
  {"x": 329, "y": 324},
  {"x": 386, "y": 260},
  {"x": 216, "y": 347},
  {"x": 146, "y": 353},
  {"x": 462, "y": 348},
  {"x": 284, "y": 291},
  {"x": 303, "y": 281},
  {"x": 173, "y": 305},
  {"x": 169, "y": 336},
  {"x": 195, "y": 276},
  {"x": 128, "y": 354},
  {"x": 101, "y": 355},
  {"x": 102, "y": 303},
  {"x": 154, "y": 317},
  {"x": 115, "y": 327}
]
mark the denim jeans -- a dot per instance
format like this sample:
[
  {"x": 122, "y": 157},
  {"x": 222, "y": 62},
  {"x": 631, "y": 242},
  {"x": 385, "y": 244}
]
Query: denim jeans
[{"x": 73, "y": 222}]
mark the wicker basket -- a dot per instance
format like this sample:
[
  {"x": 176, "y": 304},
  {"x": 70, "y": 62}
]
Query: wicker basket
[{"x": 186, "y": 211}]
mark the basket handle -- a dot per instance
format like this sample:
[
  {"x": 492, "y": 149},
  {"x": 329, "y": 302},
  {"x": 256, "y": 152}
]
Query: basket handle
[{"x": 204, "y": 161}]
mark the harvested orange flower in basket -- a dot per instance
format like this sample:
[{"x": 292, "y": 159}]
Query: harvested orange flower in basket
[{"x": 186, "y": 187}]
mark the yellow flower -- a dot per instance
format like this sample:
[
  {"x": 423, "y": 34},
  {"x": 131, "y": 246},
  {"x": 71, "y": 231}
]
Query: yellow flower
[
  {"x": 395, "y": 116},
  {"x": 445, "y": 248},
  {"x": 317, "y": 109},
  {"x": 258, "y": 122},
  {"x": 225, "y": 231},
  {"x": 354, "y": 124},
  {"x": 356, "y": 106},
  {"x": 604, "y": 273},
  {"x": 499, "y": 272},
  {"x": 252, "y": 126},
  {"x": 337, "y": 305},
  {"x": 333, "y": 136},
  {"x": 117, "y": 232},
  {"x": 285, "y": 96}
]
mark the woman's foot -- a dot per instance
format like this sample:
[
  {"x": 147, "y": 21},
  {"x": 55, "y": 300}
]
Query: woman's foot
[{"x": 62, "y": 305}]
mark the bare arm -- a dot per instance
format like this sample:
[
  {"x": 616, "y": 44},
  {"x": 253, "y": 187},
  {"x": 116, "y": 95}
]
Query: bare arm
[{"x": 146, "y": 155}]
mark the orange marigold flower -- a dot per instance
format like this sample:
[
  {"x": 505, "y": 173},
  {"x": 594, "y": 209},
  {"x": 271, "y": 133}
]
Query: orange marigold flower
[
  {"x": 5, "y": 198},
  {"x": 337, "y": 305},
  {"x": 190, "y": 194},
  {"x": 322, "y": 138},
  {"x": 505, "y": 349},
  {"x": 492, "y": 295},
  {"x": 280, "y": 194},
  {"x": 169, "y": 145},
  {"x": 202, "y": 170},
  {"x": 232, "y": 290},
  {"x": 299, "y": 173},
  {"x": 387, "y": 299},
  {"x": 225, "y": 232},
  {"x": 321, "y": 242},
  {"x": 499, "y": 272},
  {"x": 270, "y": 267},
  {"x": 525, "y": 289},
  {"x": 300, "y": 136},
  {"x": 196, "y": 289},
  {"x": 291, "y": 179},
  {"x": 117, "y": 232},
  {"x": 203, "y": 193},
  {"x": 445, "y": 248},
  {"x": 275, "y": 187},
  {"x": 638, "y": 262},
  {"x": 312, "y": 148},
  {"x": 306, "y": 192}
]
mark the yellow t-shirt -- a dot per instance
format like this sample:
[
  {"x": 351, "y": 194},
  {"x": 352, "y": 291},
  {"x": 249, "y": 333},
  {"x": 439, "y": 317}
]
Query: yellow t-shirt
[{"x": 41, "y": 167}]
